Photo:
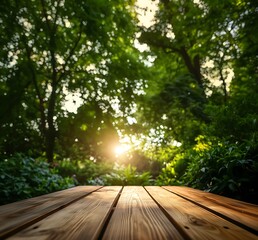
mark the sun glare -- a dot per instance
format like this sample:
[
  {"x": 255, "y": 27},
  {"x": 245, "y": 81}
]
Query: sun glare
[{"x": 121, "y": 149}]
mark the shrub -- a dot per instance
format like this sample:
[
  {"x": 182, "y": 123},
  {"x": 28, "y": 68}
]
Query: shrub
[
  {"x": 173, "y": 170},
  {"x": 84, "y": 171},
  {"x": 127, "y": 176},
  {"x": 229, "y": 169},
  {"x": 24, "y": 177}
]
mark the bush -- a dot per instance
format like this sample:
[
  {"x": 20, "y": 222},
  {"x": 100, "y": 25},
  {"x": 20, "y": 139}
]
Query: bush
[
  {"x": 24, "y": 177},
  {"x": 229, "y": 169},
  {"x": 173, "y": 170},
  {"x": 127, "y": 176},
  {"x": 84, "y": 171}
]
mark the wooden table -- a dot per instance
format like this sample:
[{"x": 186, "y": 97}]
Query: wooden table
[{"x": 133, "y": 212}]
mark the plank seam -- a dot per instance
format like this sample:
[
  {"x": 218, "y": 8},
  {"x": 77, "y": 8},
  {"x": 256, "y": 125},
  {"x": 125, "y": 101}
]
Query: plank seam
[
  {"x": 108, "y": 218},
  {"x": 239, "y": 224},
  {"x": 37, "y": 219},
  {"x": 175, "y": 224}
]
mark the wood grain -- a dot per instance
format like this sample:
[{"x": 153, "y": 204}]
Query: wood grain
[
  {"x": 195, "y": 221},
  {"x": 84, "y": 219},
  {"x": 159, "y": 213},
  {"x": 18, "y": 215},
  {"x": 136, "y": 216},
  {"x": 241, "y": 212}
]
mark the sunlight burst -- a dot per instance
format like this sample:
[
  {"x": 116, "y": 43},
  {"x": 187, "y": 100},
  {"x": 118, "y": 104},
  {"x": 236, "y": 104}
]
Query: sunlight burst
[{"x": 121, "y": 149}]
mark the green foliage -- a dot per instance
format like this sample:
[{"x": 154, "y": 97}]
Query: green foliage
[
  {"x": 127, "y": 176},
  {"x": 24, "y": 177},
  {"x": 191, "y": 94},
  {"x": 89, "y": 132},
  {"x": 173, "y": 170},
  {"x": 83, "y": 171},
  {"x": 181, "y": 101},
  {"x": 222, "y": 167},
  {"x": 225, "y": 168},
  {"x": 55, "y": 51},
  {"x": 229, "y": 120},
  {"x": 167, "y": 176}
]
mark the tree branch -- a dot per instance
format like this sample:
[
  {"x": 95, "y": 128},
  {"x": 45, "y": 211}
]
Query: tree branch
[{"x": 71, "y": 53}]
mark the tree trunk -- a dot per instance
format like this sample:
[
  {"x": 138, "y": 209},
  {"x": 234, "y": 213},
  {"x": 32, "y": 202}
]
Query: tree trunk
[
  {"x": 51, "y": 132},
  {"x": 193, "y": 66}
]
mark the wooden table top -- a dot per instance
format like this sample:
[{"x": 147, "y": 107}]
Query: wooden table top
[{"x": 131, "y": 212}]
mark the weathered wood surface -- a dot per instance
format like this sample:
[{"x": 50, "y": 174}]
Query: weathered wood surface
[
  {"x": 240, "y": 212},
  {"x": 82, "y": 220},
  {"x": 195, "y": 221},
  {"x": 16, "y": 215},
  {"x": 93, "y": 212},
  {"x": 137, "y": 216}
]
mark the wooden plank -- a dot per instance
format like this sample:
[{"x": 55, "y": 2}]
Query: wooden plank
[
  {"x": 84, "y": 219},
  {"x": 15, "y": 216},
  {"x": 240, "y": 212},
  {"x": 195, "y": 221},
  {"x": 137, "y": 216}
]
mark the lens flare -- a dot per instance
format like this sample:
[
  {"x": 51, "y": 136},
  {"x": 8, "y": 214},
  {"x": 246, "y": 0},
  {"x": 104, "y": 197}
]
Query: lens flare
[{"x": 121, "y": 149}]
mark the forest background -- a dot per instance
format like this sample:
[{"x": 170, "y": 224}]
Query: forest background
[{"x": 115, "y": 92}]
